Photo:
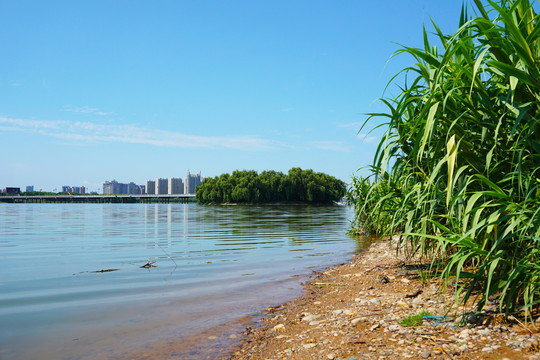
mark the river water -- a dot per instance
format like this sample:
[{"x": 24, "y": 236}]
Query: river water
[{"x": 72, "y": 285}]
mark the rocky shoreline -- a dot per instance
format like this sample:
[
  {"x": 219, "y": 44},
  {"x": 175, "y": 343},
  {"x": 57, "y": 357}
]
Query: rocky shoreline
[{"x": 366, "y": 309}]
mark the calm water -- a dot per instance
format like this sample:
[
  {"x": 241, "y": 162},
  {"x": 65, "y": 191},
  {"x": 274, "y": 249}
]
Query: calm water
[{"x": 72, "y": 286}]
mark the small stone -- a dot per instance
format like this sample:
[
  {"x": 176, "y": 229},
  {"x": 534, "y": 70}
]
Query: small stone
[
  {"x": 425, "y": 354},
  {"x": 483, "y": 332},
  {"x": 309, "y": 317},
  {"x": 405, "y": 280},
  {"x": 487, "y": 349},
  {"x": 331, "y": 356},
  {"x": 317, "y": 303},
  {"x": 394, "y": 327},
  {"x": 233, "y": 336},
  {"x": 313, "y": 323},
  {"x": 418, "y": 301},
  {"x": 279, "y": 327},
  {"x": 375, "y": 301},
  {"x": 212, "y": 337},
  {"x": 309, "y": 346},
  {"x": 357, "y": 320}
]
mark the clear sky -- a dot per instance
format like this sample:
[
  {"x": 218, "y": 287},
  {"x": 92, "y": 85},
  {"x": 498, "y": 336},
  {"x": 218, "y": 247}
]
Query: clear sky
[{"x": 134, "y": 90}]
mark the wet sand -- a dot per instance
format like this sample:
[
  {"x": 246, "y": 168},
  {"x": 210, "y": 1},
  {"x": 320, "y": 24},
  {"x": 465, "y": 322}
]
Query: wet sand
[{"x": 354, "y": 311}]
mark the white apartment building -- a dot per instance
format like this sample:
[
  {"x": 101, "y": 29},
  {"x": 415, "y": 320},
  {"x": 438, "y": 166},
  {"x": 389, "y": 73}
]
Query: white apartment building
[
  {"x": 176, "y": 186},
  {"x": 191, "y": 182},
  {"x": 161, "y": 186}
]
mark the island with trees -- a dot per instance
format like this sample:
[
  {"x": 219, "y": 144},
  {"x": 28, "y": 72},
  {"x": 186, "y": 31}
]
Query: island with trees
[{"x": 249, "y": 187}]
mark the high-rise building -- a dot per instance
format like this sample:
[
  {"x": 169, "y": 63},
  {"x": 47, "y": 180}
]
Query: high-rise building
[
  {"x": 114, "y": 187},
  {"x": 135, "y": 189},
  {"x": 150, "y": 187},
  {"x": 161, "y": 186},
  {"x": 78, "y": 189},
  {"x": 75, "y": 189},
  {"x": 191, "y": 182},
  {"x": 30, "y": 188},
  {"x": 176, "y": 186}
]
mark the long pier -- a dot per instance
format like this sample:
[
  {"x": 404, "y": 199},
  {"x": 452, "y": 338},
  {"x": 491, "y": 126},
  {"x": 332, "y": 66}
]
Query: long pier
[{"x": 162, "y": 198}]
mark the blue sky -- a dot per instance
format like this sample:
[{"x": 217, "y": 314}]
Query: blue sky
[{"x": 130, "y": 90}]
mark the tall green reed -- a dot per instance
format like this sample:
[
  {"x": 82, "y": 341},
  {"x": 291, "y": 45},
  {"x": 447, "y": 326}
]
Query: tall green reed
[{"x": 457, "y": 174}]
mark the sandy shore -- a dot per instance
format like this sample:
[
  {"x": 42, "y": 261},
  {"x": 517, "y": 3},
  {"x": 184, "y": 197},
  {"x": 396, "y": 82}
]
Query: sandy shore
[{"x": 355, "y": 311}]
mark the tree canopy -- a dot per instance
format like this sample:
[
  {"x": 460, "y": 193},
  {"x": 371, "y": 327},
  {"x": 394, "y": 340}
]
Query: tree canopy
[{"x": 247, "y": 186}]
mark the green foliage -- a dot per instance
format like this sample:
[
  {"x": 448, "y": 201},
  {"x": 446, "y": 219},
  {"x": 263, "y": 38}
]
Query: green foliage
[
  {"x": 298, "y": 185},
  {"x": 40, "y": 193},
  {"x": 415, "y": 320},
  {"x": 457, "y": 174}
]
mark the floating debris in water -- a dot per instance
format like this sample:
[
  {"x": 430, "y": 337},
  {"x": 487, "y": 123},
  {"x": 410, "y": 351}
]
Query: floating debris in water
[
  {"x": 105, "y": 270},
  {"x": 150, "y": 264}
]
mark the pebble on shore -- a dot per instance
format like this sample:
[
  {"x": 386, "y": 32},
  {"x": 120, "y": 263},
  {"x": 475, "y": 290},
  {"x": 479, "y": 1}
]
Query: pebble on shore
[{"x": 348, "y": 312}]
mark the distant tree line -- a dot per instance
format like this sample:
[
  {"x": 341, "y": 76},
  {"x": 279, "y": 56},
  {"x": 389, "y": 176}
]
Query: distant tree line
[{"x": 247, "y": 186}]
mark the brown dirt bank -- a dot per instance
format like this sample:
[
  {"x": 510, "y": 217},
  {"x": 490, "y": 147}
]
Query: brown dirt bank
[{"x": 353, "y": 311}]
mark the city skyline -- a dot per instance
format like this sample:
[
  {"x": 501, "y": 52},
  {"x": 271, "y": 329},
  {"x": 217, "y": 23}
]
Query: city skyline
[
  {"x": 157, "y": 186},
  {"x": 100, "y": 190}
]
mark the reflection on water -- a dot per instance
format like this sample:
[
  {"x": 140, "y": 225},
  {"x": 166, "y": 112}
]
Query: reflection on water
[{"x": 214, "y": 265}]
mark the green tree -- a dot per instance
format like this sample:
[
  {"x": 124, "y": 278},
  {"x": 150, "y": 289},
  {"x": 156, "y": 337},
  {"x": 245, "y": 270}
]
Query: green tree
[{"x": 246, "y": 186}]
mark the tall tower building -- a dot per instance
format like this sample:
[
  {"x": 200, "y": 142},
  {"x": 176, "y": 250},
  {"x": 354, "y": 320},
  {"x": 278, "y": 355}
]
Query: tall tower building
[
  {"x": 150, "y": 187},
  {"x": 176, "y": 186},
  {"x": 191, "y": 182},
  {"x": 133, "y": 188},
  {"x": 109, "y": 187},
  {"x": 161, "y": 186}
]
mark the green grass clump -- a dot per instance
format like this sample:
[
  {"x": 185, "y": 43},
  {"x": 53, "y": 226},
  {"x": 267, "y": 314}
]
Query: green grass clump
[
  {"x": 457, "y": 174},
  {"x": 414, "y": 320}
]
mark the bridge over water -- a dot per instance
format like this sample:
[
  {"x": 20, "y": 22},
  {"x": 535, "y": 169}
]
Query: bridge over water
[{"x": 162, "y": 198}]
